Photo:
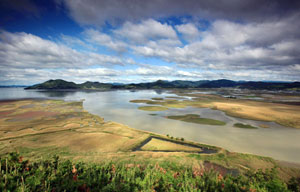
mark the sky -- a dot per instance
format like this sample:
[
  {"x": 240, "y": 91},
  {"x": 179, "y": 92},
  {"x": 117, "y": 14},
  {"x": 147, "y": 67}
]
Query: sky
[{"x": 131, "y": 41}]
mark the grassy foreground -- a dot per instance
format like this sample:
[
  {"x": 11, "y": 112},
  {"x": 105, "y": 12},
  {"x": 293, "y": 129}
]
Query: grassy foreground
[{"x": 64, "y": 175}]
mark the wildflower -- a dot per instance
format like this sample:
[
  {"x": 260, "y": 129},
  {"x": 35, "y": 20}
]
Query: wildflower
[
  {"x": 157, "y": 166},
  {"x": 113, "y": 168},
  {"x": 197, "y": 172},
  {"x": 252, "y": 190},
  {"x": 74, "y": 170},
  {"x": 27, "y": 168},
  {"x": 220, "y": 177},
  {"x": 175, "y": 175},
  {"x": 162, "y": 170},
  {"x": 223, "y": 185},
  {"x": 20, "y": 159}
]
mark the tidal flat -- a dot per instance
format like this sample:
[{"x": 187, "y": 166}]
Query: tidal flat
[
  {"x": 39, "y": 129},
  {"x": 276, "y": 141},
  {"x": 283, "y": 114}
]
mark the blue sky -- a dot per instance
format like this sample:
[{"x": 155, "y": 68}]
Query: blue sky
[{"x": 139, "y": 41}]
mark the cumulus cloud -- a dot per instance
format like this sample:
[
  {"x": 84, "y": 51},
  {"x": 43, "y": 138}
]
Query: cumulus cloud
[
  {"x": 103, "y": 39},
  {"x": 243, "y": 40},
  {"x": 145, "y": 30},
  {"x": 189, "y": 31},
  {"x": 228, "y": 45},
  {"x": 76, "y": 42},
  {"x": 97, "y": 12},
  {"x": 23, "y": 50}
]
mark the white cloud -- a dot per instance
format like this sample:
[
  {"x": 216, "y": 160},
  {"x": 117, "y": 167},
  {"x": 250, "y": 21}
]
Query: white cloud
[
  {"x": 146, "y": 30},
  {"x": 75, "y": 42},
  {"x": 240, "y": 51},
  {"x": 189, "y": 31},
  {"x": 23, "y": 50},
  {"x": 103, "y": 39},
  {"x": 234, "y": 46}
]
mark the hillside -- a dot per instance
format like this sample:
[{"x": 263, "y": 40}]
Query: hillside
[
  {"x": 160, "y": 84},
  {"x": 55, "y": 84}
]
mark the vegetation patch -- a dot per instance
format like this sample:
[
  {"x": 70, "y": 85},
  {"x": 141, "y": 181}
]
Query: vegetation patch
[
  {"x": 161, "y": 145},
  {"x": 153, "y": 108},
  {"x": 194, "y": 118},
  {"x": 157, "y": 98},
  {"x": 139, "y": 101},
  {"x": 244, "y": 126}
]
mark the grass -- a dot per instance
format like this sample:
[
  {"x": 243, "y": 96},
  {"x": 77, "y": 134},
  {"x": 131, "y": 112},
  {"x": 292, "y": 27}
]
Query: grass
[
  {"x": 153, "y": 108},
  {"x": 139, "y": 101},
  {"x": 193, "y": 118},
  {"x": 171, "y": 103},
  {"x": 157, "y": 98},
  {"x": 55, "y": 174},
  {"x": 161, "y": 145},
  {"x": 244, "y": 126}
]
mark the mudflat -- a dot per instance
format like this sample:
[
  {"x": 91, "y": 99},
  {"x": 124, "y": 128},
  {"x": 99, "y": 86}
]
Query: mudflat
[{"x": 42, "y": 128}]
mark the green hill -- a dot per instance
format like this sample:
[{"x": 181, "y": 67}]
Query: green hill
[{"x": 55, "y": 84}]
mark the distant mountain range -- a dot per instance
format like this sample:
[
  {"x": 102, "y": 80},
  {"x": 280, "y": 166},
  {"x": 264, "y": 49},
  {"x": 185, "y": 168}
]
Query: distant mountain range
[{"x": 161, "y": 84}]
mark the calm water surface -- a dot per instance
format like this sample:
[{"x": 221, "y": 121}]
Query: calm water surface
[{"x": 279, "y": 142}]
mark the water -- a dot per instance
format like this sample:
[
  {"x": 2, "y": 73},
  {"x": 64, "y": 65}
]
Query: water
[{"x": 279, "y": 142}]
